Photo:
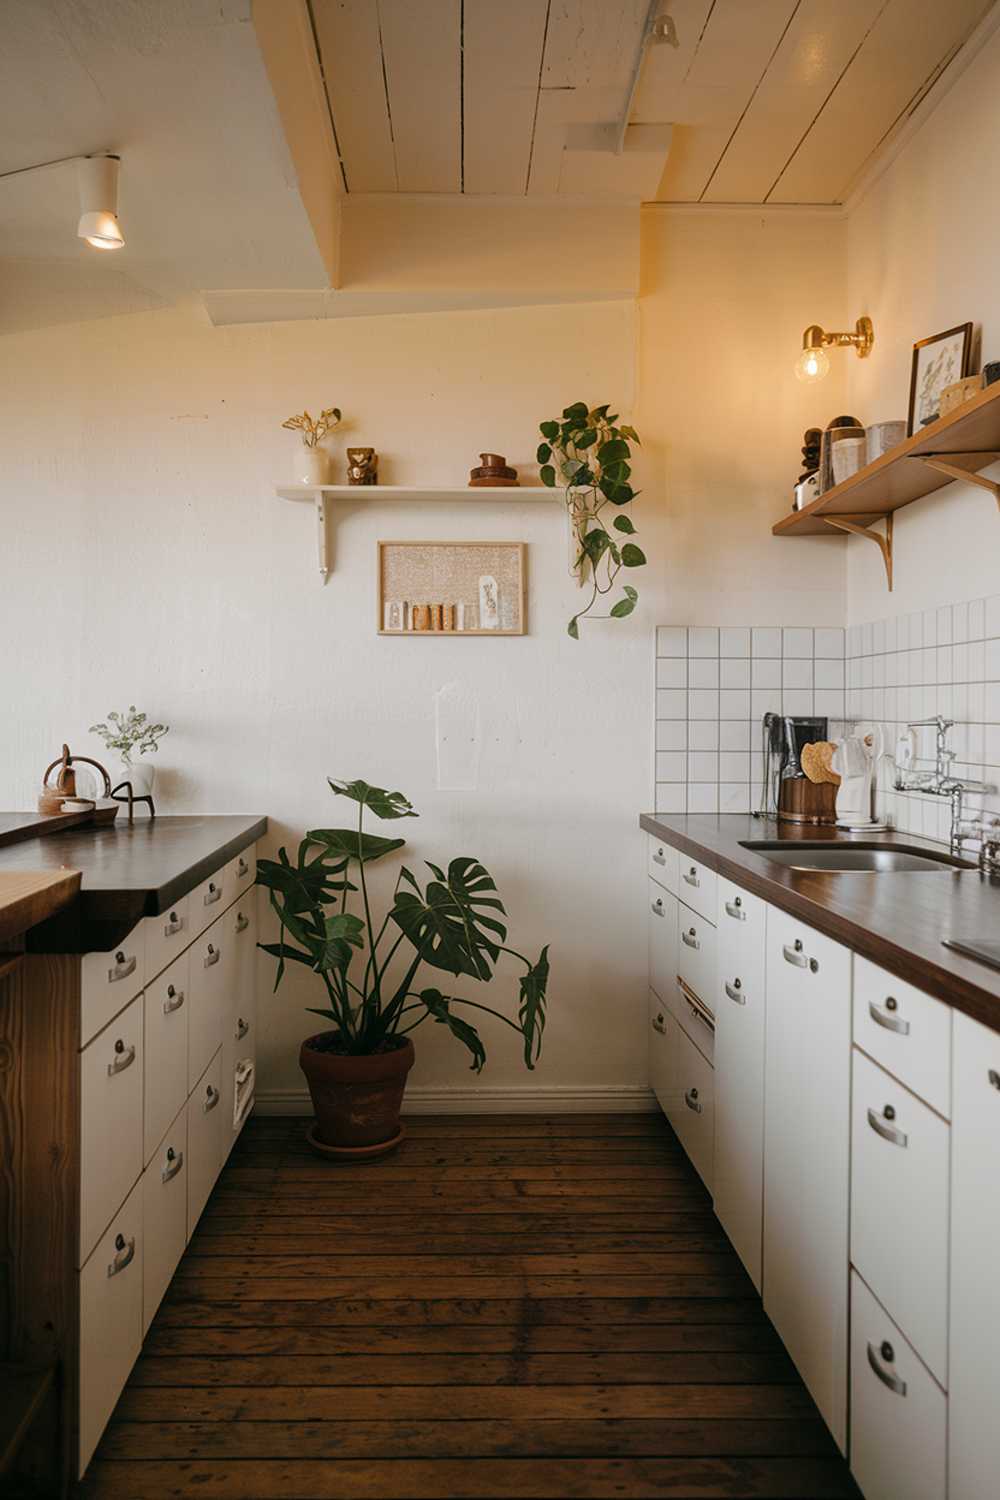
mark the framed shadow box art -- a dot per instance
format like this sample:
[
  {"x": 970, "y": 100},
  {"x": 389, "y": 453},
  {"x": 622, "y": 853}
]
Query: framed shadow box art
[
  {"x": 451, "y": 588},
  {"x": 938, "y": 361}
]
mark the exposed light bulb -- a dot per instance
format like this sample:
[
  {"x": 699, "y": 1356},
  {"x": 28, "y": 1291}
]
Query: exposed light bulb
[{"x": 812, "y": 365}]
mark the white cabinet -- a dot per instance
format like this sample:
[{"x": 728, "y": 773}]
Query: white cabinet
[
  {"x": 691, "y": 1102},
  {"x": 899, "y": 1208},
  {"x": 906, "y": 1031},
  {"x": 165, "y": 1043},
  {"x": 662, "y": 1028},
  {"x": 696, "y": 939},
  {"x": 739, "y": 1073},
  {"x": 806, "y": 1158},
  {"x": 208, "y": 1137},
  {"x": 209, "y": 990},
  {"x": 697, "y": 886},
  {"x": 111, "y": 1070},
  {"x": 662, "y": 863},
  {"x": 110, "y": 1320},
  {"x": 661, "y": 922},
  {"x": 974, "y": 1385},
  {"x": 164, "y": 1215},
  {"x": 898, "y": 1412}
]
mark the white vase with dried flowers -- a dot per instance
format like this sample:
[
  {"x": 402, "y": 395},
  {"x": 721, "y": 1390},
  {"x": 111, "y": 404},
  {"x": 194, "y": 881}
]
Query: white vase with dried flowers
[{"x": 314, "y": 461}]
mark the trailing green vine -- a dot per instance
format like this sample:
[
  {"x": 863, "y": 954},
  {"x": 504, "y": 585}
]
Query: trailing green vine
[{"x": 591, "y": 455}]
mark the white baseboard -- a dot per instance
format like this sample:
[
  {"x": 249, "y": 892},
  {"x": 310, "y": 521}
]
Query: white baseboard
[{"x": 613, "y": 1099}]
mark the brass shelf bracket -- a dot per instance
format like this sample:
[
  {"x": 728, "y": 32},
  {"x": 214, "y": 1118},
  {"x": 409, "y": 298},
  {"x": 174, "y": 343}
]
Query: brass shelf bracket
[
  {"x": 883, "y": 543},
  {"x": 940, "y": 462}
]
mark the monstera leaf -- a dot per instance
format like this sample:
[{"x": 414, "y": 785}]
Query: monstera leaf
[
  {"x": 304, "y": 886},
  {"x": 440, "y": 1009},
  {"x": 531, "y": 1013},
  {"x": 350, "y": 843},
  {"x": 455, "y": 923},
  {"x": 382, "y": 803}
]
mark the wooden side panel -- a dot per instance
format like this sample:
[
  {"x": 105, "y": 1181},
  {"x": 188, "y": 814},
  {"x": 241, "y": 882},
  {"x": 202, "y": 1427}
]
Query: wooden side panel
[{"x": 39, "y": 1168}]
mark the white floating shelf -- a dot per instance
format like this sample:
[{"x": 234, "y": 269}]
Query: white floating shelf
[{"x": 323, "y": 494}]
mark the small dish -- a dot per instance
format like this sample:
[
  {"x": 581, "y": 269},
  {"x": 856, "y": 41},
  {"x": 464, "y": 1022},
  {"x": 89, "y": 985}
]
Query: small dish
[{"x": 77, "y": 804}]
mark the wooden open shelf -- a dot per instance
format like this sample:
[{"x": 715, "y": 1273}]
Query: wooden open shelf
[
  {"x": 956, "y": 446},
  {"x": 322, "y": 495}
]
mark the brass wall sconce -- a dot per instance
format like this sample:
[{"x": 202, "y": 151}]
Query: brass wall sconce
[{"x": 812, "y": 364}]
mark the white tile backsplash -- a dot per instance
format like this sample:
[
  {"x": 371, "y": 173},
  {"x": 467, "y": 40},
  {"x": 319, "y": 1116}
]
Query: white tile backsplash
[
  {"x": 708, "y": 738},
  {"x": 945, "y": 661}
]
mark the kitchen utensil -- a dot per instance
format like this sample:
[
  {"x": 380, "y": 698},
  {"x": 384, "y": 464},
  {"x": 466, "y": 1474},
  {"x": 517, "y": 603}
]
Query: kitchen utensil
[
  {"x": 848, "y": 456},
  {"x": 789, "y": 794}
]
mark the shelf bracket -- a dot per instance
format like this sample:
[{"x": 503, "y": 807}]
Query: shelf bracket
[
  {"x": 883, "y": 543},
  {"x": 940, "y": 462}
]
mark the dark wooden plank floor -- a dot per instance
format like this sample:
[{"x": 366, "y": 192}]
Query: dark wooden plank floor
[{"x": 508, "y": 1307}]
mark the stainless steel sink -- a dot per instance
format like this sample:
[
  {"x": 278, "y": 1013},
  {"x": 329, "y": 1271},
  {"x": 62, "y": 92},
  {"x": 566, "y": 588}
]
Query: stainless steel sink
[{"x": 862, "y": 858}]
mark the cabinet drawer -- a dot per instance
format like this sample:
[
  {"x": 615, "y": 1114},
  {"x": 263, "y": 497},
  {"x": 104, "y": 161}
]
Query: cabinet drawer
[
  {"x": 110, "y": 1321},
  {"x": 739, "y": 1075},
  {"x": 108, "y": 981},
  {"x": 973, "y": 1429},
  {"x": 741, "y": 920},
  {"x": 210, "y": 962},
  {"x": 210, "y": 899},
  {"x": 207, "y": 1139},
  {"x": 807, "y": 1130},
  {"x": 661, "y": 1028},
  {"x": 242, "y": 871},
  {"x": 164, "y": 1215},
  {"x": 906, "y": 1031},
  {"x": 692, "y": 1112},
  {"x": 696, "y": 953},
  {"x": 661, "y": 922},
  {"x": 898, "y": 1413},
  {"x": 167, "y": 936},
  {"x": 110, "y": 1123},
  {"x": 165, "y": 1043},
  {"x": 663, "y": 863},
  {"x": 697, "y": 886},
  {"x": 899, "y": 1208}
]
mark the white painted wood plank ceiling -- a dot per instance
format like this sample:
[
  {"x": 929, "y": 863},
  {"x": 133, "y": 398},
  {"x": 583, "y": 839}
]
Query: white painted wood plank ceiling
[{"x": 772, "y": 101}]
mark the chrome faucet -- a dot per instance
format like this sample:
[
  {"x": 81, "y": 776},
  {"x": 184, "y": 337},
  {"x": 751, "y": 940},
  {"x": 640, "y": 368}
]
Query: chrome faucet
[{"x": 941, "y": 783}]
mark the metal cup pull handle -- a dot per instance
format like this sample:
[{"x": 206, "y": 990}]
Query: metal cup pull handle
[
  {"x": 657, "y": 907},
  {"x": 735, "y": 991},
  {"x": 212, "y": 956},
  {"x": 212, "y": 1097},
  {"x": 124, "y": 1254},
  {"x": 124, "y": 1058},
  {"x": 692, "y": 1101},
  {"x": 793, "y": 954},
  {"x": 735, "y": 909},
  {"x": 175, "y": 1160},
  {"x": 213, "y": 894},
  {"x": 173, "y": 925},
  {"x": 125, "y": 964},
  {"x": 659, "y": 858},
  {"x": 242, "y": 868},
  {"x": 890, "y": 1133},
  {"x": 658, "y": 1023},
  {"x": 691, "y": 876},
  {"x": 887, "y": 1377},
  {"x": 242, "y": 1028},
  {"x": 690, "y": 939},
  {"x": 174, "y": 1000},
  {"x": 882, "y": 1016},
  {"x": 242, "y": 922}
]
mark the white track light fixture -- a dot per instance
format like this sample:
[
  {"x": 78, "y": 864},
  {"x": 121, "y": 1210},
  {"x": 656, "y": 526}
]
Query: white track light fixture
[{"x": 97, "y": 180}]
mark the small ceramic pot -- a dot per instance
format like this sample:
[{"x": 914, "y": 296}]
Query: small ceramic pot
[{"x": 314, "y": 465}]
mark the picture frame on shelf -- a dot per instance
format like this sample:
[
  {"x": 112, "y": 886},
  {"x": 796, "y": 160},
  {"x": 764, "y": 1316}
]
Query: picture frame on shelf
[
  {"x": 937, "y": 361},
  {"x": 451, "y": 588}
]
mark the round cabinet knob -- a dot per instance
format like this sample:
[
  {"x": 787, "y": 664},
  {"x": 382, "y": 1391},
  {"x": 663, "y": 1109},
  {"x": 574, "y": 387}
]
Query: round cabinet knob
[
  {"x": 211, "y": 885},
  {"x": 889, "y": 1112},
  {"x": 171, "y": 1154},
  {"x": 693, "y": 1093},
  {"x": 119, "y": 1242},
  {"x": 798, "y": 945},
  {"x": 119, "y": 1046},
  {"x": 891, "y": 1003},
  {"x": 119, "y": 957},
  {"x": 887, "y": 1352}
]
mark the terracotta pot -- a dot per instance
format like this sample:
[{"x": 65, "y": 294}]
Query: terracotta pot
[{"x": 357, "y": 1099}]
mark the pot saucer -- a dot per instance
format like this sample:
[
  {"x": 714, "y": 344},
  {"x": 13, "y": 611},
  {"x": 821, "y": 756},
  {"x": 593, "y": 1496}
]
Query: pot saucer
[{"x": 353, "y": 1153}]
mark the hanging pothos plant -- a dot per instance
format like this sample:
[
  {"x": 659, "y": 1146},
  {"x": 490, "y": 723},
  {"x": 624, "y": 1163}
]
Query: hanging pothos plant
[{"x": 589, "y": 454}]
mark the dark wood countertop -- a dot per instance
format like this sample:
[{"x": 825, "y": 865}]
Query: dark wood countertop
[
  {"x": 898, "y": 920},
  {"x": 126, "y": 872}
]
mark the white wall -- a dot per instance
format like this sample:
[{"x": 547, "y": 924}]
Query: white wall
[
  {"x": 922, "y": 257},
  {"x": 724, "y": 298},
  {"x": 147, "y": 560}
]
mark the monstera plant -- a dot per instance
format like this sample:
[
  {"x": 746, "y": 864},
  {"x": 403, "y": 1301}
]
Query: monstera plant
[
  {"x": 588, "y": 453},
  {"x": 371, "y": 971}
]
